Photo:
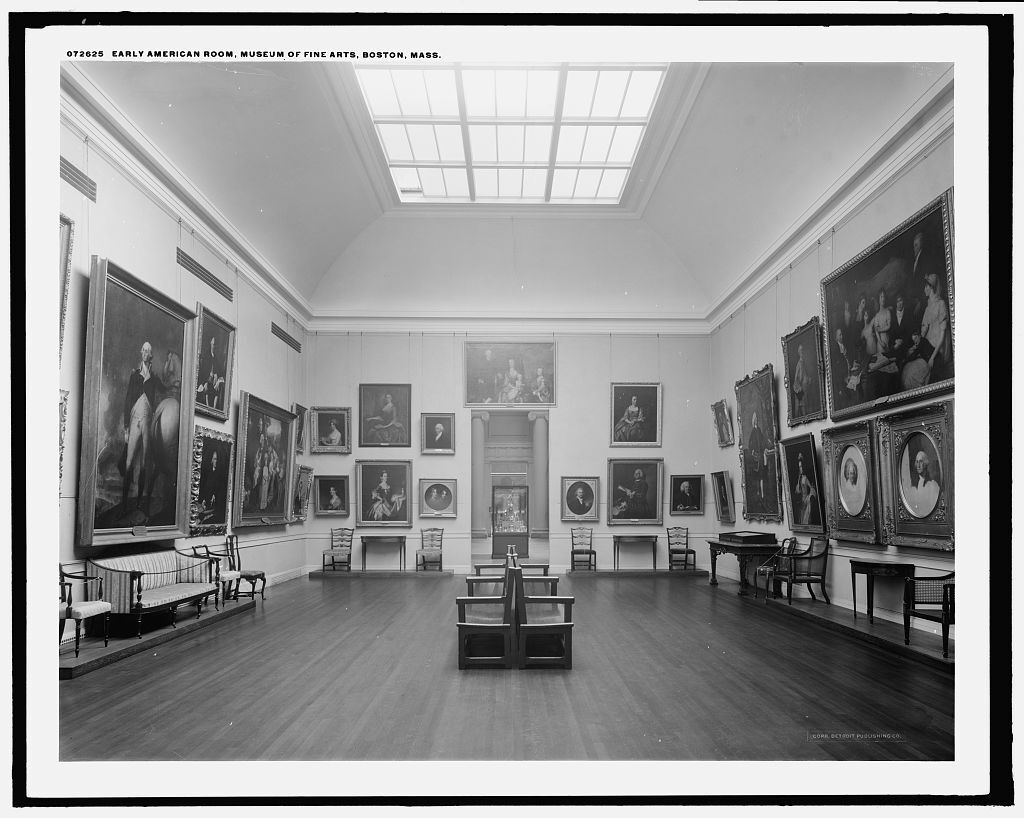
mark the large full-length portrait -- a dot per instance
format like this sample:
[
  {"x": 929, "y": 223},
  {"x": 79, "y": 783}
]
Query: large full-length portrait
[
  {"x": 438, "y": 497},
  {"x": 635, "y": 491},
  {"x": 508, "y": 374},
  {"x": 67, "y": 243},
  {"x": 721, "y": 489},
  {"x": 384, "y": 493},
  {"x": 888, "y": 316},
  {"x": 330, "y": 493},
  {"x": 331, "y": 429},
  {"x": 851, "y": 490},
  {"x": 802, "y": 486},
  {"x": 757, "y": 416},
  {"x": 301, "y": 424},
  {"x": 385, "y": 414},
  {"x": 211, "y": 481},
  {"x": 137, "y": 412},
  {"x": 916, "y": 460},
  {"x": 579, "y": 499},
  {"x": 300, "y": 496},
  {"x": 215, "y": 361},
  {"x": 636, "y": 414},
  {"x": 686, "y": 494},
  {"x": 805, "y": 373},
  {"x": 723, "y": 423},
  {"x": 265, "y": 468}
]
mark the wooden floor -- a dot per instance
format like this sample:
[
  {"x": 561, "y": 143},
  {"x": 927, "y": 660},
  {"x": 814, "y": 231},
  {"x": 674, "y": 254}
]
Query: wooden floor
[{"x": 364, "y": 667}]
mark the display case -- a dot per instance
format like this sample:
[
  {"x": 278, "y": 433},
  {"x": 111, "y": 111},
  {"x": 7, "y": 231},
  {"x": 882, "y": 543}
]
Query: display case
[{"x": 510, "y": 523}]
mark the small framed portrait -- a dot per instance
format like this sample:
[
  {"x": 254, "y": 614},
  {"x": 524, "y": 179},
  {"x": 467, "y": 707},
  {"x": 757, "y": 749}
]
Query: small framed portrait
[
  {"x": 300, "y": 413},
  {"x": 636, "y": 414},
  {"x": 300, "y": 498},
  {"x": 916, "y": 461},
  {"x": 67, "y": 243},
  {"x": 805, "y": 373},
  {"x": 723, "y": 423},
  {"x": 437, "y": 497},
  {"x": 437, "y": 433},
  {"x": 265, "y": 477},
  {"x": 509, "y": 374},
  {"x": 385, "y": 414},
  {"x": 635, "y": 491},
  {"x": 851, "y": 486},
  {"x": 686, "y": 494},
  {"x": 211, "y": 482},
  {"x": 802, "y": 484},
  {"x": 721, "y": 487},
  {"x": 757, "y": 417},
  {"x": 888, "y": 315},
  {"x": 331, "y": 429},
  {"x": 215, "y": 361},
  {"x": 382, "y": 493},
  {"x": 330, "y": 493},
  {"x": 579, "y": 499}
]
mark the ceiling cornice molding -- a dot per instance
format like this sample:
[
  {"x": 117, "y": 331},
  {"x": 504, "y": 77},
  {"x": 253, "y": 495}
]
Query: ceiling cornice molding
[
  {"x": 504, "y": 326},
  {"x": 911, "y": 138},
  {"x": 127, "y": 147}
]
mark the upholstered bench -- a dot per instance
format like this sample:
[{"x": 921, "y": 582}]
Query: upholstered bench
[{"x": 156, "y": 581}]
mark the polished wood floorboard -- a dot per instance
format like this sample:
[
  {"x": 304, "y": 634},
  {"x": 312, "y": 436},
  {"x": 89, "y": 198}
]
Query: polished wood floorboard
[{"x": 364, "y": 667}]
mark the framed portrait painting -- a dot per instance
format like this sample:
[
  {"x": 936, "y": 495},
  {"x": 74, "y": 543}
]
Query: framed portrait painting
[
  {"x": 63, "y": 414},
  {"x": 636, "y": 414},
  {"x": 215, "y": 361},
  {"x": 265, "y": 469},
  {"x": 579, "y": 499},
  {"x": 382, "y": 493},
  {"x": 802, "y": 485},
  {"x": 438, "y": 497},
  {"x": 301, "y": 413},
  {"x": 437, "y": 433},
  {"x": 509, "y": 374},
  {"x": 723, "y": 423},
  {"x": 915, "y": 453},
  {"x": 635, "y": 491},
  {"x": 686, "y": 494},
  {"x": 888, "y": 316},
  {"x": 805, "y": 373},
  {"x": 756, "y": 416},
  {"x": 300, "y": 496},
  {"x": 385, "y": 414},
  {"x": 67, "y": 244},
  {"x": 331, "y": 429},
  {"x": 137, "y": 410},
  {"x": 721, "y": 488},
  {"x": 330, "y": 493},
  {"x": 211, "y": 481},
  {"x": 851, "y": 486}
]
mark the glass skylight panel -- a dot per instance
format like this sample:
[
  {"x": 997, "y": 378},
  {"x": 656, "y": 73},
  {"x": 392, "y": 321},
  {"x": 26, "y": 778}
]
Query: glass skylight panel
[{"x": 487, "y": 133}]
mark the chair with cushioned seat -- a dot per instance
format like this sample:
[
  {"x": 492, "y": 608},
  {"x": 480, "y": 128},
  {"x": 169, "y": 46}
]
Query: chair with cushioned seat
[
  {"x": 429, "y": 551},
  {"x": 84, "y": 608},
  {"x": 340, "y": 550},
  {"x": 582, "y": 548},
  {"x": 921, "y": 596},
  {"x": 679, "y": 548},
  {"x": 227, "y": 573},
  {"x": 250, "y": 575},
  {"x": 805, "y": 567}
]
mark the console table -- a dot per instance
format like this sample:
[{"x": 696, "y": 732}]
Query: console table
[
  {"x": 389, "y": 539},
  {"x": 872, "y": 570},
  {"x": 636, "y": 539},
  {"x": 744, "y": 553}
]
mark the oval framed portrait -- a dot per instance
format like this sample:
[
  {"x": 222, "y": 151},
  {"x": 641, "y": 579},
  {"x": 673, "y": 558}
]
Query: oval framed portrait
[
  {"x": 852, "y": 480},
  {"x": 920, "y": 474}
]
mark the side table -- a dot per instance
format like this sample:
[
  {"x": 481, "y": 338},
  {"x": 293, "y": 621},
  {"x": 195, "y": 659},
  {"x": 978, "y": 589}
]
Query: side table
[{"x": 875, "y": 569}]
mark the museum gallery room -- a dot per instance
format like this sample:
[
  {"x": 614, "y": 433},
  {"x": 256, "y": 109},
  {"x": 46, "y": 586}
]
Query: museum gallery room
[{"x": 423, "y": 410}]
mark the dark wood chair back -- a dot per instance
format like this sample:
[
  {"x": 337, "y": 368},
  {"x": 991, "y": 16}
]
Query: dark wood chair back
[{"x": 931, "y": 598}]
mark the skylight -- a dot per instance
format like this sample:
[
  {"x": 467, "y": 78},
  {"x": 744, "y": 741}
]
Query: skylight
[{"x": 509, "y": 134}]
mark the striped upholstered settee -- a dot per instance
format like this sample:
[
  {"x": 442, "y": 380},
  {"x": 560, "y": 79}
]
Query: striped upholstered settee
[{"x": 156, "y": 581}]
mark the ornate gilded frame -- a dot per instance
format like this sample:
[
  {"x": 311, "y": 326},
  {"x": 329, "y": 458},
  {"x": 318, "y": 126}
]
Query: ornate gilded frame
[
  {"x": 204, "y": 315},
  {"x": 723, "y": 407},
  {"x": 302, "y": 420},
  {"x": 300, "y": 496},
  {"x": 247, "y": 405},
  {"x": 199, "y": 440},
  {"x": 842, "y": 521},
  {"x": 364, "y": 489},
  {"x": 344, "y": 413},
  {"x": 346, "y": 508},
  {"x": 757, "y": 390},
  {"x": 813, "y": 329},
  {"x": 789, "y": 450},
  {"x": 67, "y": 246},
  {"x": 617, "y": 483},
  {"x": 726, "y": 513}
]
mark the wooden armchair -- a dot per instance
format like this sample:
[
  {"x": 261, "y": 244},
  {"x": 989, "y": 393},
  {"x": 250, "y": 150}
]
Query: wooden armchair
[
  {"x": 679, "y": 547},
  {"x": 82, "y": 609},
  {"x": 430, "y": 548},
  {"x": 227, "y": 573},
  {"x": 770, "y": 566},
  {"x": 340, "y": 550},
  {"x": 543, "y": 627},
  {"x": 486, "y": 627},
  {"x": 582, "y": 548},
  {"x": 805, "y": 567},
  {"x": 921, "y": 595},
  {"x": 548, "y": 583}
]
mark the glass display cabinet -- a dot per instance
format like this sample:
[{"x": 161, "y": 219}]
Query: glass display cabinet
[{"x": 510, "y": 524}]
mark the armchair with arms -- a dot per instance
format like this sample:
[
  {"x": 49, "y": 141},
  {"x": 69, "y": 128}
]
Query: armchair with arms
[
  {"x": 806, "y": 567},
  {"x": 921, "y": 596},
  {"x": 83, "y": 608}
]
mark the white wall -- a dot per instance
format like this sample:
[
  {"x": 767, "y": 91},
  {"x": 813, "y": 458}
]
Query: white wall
[{"x": 751, "y": 338}]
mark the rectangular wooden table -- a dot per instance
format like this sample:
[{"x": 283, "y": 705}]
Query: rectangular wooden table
[
  {"x": 636, "y": 539},
  {"x": 386, "y": 539},
  {"x": 875, "y": 569},
  {"x": 744, "y": 553}
]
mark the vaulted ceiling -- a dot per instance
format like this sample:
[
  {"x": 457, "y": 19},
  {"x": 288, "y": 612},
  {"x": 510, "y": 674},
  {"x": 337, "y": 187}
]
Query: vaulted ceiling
[{"x": 738, "y": 154}]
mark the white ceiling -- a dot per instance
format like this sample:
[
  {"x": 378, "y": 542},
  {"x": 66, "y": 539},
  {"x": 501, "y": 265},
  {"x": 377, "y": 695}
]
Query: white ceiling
[{"x": 284, "y": 159}]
